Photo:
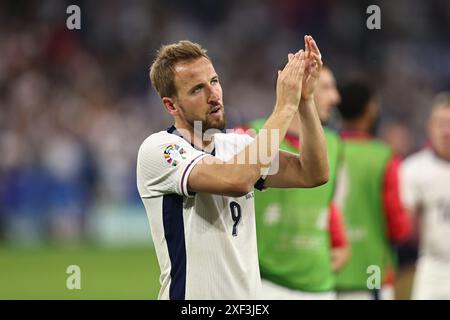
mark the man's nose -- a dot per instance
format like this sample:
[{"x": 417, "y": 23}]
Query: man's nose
[
  {"x": 337, "y": 97},
  {"x": 214, "y": 95}
]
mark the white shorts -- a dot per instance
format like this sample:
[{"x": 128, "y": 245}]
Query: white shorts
[
  {"x": 432, "y": 280},
  {"x": 385, "y": 293},
  {"x": 272, "y": 291}
]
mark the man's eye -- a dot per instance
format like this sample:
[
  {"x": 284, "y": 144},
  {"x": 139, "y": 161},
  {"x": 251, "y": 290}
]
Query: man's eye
[
  {"x": 214, "y": 81},
  {"x": 196, "y": 90}
]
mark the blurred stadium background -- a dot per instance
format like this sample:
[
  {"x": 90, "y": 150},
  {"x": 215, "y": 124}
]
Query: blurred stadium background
[{"x": 75, "y": 106}]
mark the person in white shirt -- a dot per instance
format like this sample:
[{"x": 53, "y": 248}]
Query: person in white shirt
[
  {"x": 197, "y": 183},
  {"x": 425, "y": 190}
]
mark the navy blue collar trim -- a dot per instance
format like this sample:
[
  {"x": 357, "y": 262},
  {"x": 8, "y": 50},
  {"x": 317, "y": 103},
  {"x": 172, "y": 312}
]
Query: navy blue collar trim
[{"x": 173, "y": 130}]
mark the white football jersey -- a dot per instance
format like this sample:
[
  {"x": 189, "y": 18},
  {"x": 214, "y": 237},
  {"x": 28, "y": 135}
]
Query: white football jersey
[
  {"x": 425, "y": 184},
  {"x": 205, "y": 243}
]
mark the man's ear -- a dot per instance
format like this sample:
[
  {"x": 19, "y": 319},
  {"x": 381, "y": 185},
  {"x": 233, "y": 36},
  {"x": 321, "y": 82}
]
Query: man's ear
[{"x": 169, "y": 105}]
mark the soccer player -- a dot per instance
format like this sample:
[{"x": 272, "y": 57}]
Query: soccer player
[
  {"x": 425, "y": 186},
  {"x": 197, "y": 187},
  {"x": 368, "y": 194},
  {"x": 301, "y": 239}
]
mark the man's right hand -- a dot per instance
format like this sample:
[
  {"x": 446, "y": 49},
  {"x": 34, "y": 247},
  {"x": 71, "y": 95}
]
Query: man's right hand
[{"x": 289, "y": 82}]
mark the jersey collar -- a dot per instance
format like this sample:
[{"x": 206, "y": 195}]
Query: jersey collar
[{"x": 173, "y": 130}]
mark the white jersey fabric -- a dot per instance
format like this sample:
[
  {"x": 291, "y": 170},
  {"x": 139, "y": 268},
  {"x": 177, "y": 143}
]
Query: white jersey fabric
[
  {"x": 425, "y": 184},
  {"x": 205, "y": 243}
]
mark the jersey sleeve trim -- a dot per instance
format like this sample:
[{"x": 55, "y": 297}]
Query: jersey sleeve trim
[
  {"x": 259, "y": 185},
  {"x": 187, "y": 171}
]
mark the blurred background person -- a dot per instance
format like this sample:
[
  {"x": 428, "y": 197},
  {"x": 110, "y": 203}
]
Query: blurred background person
[
  {"x": 301, "y": 239},
  {"x": 368, "y": 194},
  {"x": 398, "y": 136},
  {"x": 425, "y": 186}
]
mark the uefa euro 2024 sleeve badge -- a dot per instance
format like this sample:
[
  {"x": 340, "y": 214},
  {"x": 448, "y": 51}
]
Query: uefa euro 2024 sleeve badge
[{"x": 174, "y": 154}]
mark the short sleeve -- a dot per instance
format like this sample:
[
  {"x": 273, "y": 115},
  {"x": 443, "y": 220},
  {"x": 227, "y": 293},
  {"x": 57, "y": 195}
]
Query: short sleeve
[
  {"x": 338, "y": 236},
  {"x": 164, "y": 164},
  {"x": 409, "y": 187}
]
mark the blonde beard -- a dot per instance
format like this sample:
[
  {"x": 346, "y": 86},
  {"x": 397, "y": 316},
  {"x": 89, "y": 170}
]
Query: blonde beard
[{"x": 206, "y": 125}]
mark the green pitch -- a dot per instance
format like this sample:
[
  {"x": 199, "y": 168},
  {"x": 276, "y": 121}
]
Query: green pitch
[{"x": 105, "y": 273}]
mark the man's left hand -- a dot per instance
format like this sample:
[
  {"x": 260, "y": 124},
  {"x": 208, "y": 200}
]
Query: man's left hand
[{"x": 313, "y": 67}]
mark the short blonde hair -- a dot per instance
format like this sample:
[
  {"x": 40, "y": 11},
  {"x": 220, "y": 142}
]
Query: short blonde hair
[
  {"x": 442, "y": 99},
  {"x": 162, "y": 72}
]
